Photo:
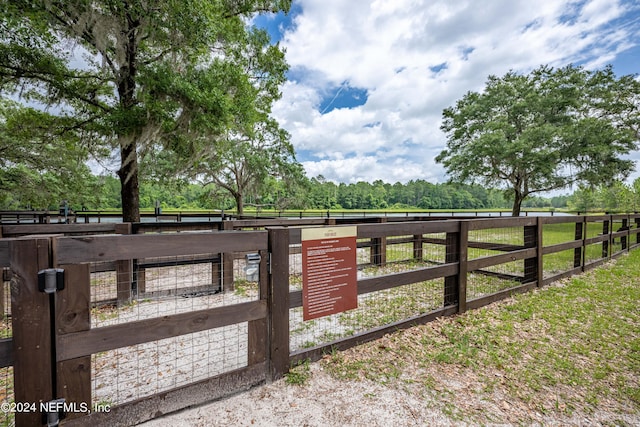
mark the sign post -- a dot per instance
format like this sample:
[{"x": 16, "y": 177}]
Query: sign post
[{"x": 329, "y": 274}]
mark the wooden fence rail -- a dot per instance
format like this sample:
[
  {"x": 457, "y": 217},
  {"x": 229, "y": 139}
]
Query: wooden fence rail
[{"x": 55, "y": 343}]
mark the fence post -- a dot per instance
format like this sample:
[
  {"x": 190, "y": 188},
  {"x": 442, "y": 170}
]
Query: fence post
[
  {"x": 606, "y": 229},
  {"x": 278, "y": 302},
  {"x": 580, "y": 231},
  {"x": 531, "y": 267},
  {"x": 31, "y": 322},
  {"x": 455, "y": 287},
  {"x": 379, "y": 248},
  {"x": 418, "y": 250},
  {"x": 226, "y": 260},
  {"x": 637, "y": 234},
  {"x": 124, "y": 271},
  {"x": 624, "y": 239}
]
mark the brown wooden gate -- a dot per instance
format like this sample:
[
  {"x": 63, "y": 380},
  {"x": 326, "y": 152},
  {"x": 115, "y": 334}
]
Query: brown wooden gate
[{"x": 59, "y": 347}]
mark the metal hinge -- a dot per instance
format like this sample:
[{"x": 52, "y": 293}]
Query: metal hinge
[
  {"x": 51, "y": 280},
  {"x": 53, "y": 412}
]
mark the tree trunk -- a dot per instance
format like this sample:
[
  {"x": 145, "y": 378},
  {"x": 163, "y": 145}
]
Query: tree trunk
[
  {"x": 517, "y": 203},
  {"x": 239, "y": 203},
  {"x": 128, "y": 173},
  {"x": 129, "y": 189}
]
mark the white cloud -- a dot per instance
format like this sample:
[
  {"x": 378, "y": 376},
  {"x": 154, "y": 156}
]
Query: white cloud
[{"x": 394, "y": 49}]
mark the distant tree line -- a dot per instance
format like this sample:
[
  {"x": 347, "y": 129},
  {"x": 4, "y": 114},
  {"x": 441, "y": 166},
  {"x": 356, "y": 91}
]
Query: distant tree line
[{"x": 103, "y": 192}]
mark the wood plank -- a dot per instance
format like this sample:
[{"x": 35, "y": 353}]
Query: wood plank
[
  {"x": 106, "y": 338},
  {"x": 278, "y": 301},
  {"x": 4, "y": 253},
  {"x": 569, "y": 273},
  {"x": 73, "y": 250},
  {"x": 124, "y": 278},
  {"x": 6, "y": 352},
  {"x": 32, "y": 369},
  {"x": 487, "y": 261},
  {"x": 145, "y": 409},
  {"x": 390, "y": 281},
  {"x": 316, "y": 353},
  {"x": 28, "y": 229},
  {"x": 497, "y": 296},
  {"x": 366, "y": 231},
  {"x": 463, "y": 267},
  {"x": 596, "y": 239},
  {"x": 483, "y": 224},
  {"x": 561, "y": 247},
  {"x": 561, "y": 219},
  {"x": 478, "y": 245},
  {"x": 73, "y": 315}
]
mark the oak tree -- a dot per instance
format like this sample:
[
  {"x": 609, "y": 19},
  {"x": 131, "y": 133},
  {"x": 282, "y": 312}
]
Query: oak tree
[
  {"x": 543, "y": 131},
  {"x": 141, "y": 71}
]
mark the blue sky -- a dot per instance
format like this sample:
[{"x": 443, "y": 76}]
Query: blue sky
[{"x": 369, "y": 79}]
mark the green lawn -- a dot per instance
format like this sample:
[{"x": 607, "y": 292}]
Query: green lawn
[{"x": 569, "y": 349}]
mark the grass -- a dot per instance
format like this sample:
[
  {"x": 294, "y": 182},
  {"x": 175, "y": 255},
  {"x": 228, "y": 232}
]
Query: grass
[
  {"x": 572, "y": 348},
  {"x": 299, "y": 374}
]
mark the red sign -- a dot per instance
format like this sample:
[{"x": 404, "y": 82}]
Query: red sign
[{"x": 329, "y": 273}]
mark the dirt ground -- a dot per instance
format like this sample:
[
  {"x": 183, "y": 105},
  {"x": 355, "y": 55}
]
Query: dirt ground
[{"x": 325, "y": 401}]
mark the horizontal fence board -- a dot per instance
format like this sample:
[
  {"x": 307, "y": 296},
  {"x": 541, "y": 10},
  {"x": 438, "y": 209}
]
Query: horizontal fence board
[
  {"x": 405, "y": 228},
  {"x": 477, "y": 245},
  {"x": 277, "y": 222},
  {"x": 6, "y": 352},
  {"x": 72, "y": 250},
  {"x": 483, "y": 224},
  {"x": 389, "y": 281},
  {"x": 488, "y": 299},
  {"x": 596, "y": 239},
  {"x": 594, "y": 264},
  {"x": 562, "y": 275},
  {"x": 597, "y": 218},
  {"x": 21, "y": 230},
  {"x": 85, "y": 343},
  {"x": 141, "y": 410},
  {"x": 316, "y": 353},
  {"x": 560, "y": 219},
  {"x": 478, "y": 263},
  {"x": 561, "y": 247}
]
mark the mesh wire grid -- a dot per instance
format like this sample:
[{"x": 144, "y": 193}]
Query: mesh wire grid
[
  {"x": 495, "y": 278},
  {"x": 166, "y": 286},
  {"x": 375, "y": 309}
]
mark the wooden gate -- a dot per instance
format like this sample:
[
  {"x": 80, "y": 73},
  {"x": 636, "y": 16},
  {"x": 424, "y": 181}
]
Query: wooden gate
[{"x": 67, "y": 335}]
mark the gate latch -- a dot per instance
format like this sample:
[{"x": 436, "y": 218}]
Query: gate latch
[{"x": 51, "y": 280}]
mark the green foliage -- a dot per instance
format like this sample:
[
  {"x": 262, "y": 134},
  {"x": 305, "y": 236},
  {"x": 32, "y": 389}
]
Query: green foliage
[
  {"x": 143, "y": 75},
  {"x": 616, "y": 197},
  {"x": 543, "y": 131},
  {"x": 43, "y": 160}
]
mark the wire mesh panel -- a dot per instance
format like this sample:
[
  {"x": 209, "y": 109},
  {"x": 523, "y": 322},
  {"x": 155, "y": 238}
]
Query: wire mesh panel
[
  {"x": 374, "y": 310},
  {"x": 564, "y": 260},
  {"x": 376, "y": 257},
  {"x": 494, "y": 278},
  {"x": 558, "y": 262},
  {"x": 597, "y": 228},
  {"x": 169, "y": 285},
  {"x": 619, "y": 243},
  {"x": 135, "y": 372}
]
